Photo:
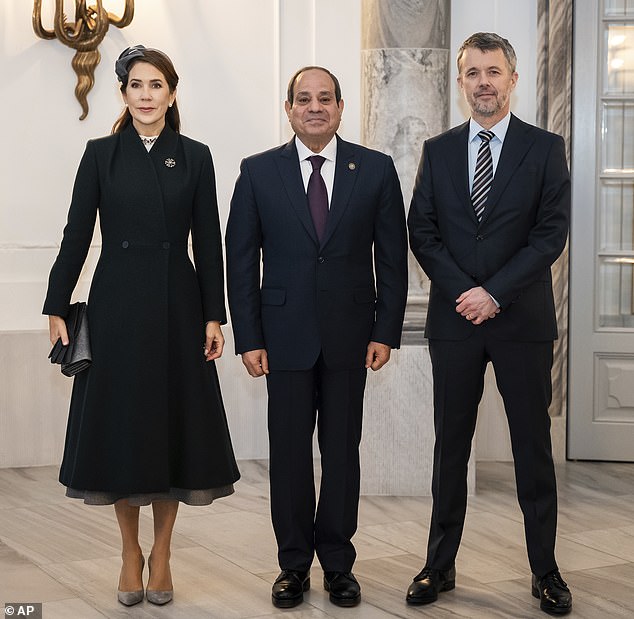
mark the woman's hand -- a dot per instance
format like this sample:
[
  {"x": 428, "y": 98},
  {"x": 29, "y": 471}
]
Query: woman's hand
[
  {"x": 214, "y": 340},
  {"x": 57, "y": 330}
]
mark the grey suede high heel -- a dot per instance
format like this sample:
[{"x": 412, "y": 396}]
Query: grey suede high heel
[
  {"x": 158, "y": 597},
  {"x": 130, "y": 598}
]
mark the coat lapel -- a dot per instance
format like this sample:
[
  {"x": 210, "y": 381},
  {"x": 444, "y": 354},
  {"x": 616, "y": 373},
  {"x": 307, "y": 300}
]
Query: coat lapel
[
  {"x": 346, "y": 170},
  {"x": 142, "y": 172},
  {"x": 164, "y": 151},
  {"x": 517, "y": 142},
  {"x": 291, "y": 175}
]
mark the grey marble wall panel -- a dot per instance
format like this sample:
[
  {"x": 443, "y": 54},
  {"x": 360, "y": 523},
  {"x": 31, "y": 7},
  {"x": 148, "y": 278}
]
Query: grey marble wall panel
[
  {"x": 554, "y": 112},
  {"x": 404, "y": 104},
  {"x": 404, "y": 70},
  {"x": 405, "y": 23},
  {"x": 397, "y": 447},
  {"x": 404, "y": 84}
]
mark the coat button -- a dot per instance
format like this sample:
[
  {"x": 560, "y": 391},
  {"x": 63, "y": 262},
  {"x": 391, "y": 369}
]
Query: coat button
[
  {"x": 321, "y": 259},
  {"x": 479, "y": 238},
  {"x": 125, "y": 244},
  {"x": 166, "y": 245}
]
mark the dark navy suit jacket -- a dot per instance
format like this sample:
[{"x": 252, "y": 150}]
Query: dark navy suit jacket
[
  {"x": 308, "y": 298},
  {"x": 510, "y": 252}
]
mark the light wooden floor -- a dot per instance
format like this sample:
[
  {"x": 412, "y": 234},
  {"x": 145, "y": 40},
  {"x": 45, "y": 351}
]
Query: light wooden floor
[{"x": 57, "y": 551}]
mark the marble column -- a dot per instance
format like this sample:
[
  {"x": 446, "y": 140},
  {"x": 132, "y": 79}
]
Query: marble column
[
  {"x": 554, "y": 99},
  {"x": 405, "y": 73}
]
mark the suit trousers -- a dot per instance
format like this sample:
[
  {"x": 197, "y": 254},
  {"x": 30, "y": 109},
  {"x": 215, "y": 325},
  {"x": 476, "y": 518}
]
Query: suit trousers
[
  {"x": 334, "y": 398},
  {"x": 522, "y": 371}
]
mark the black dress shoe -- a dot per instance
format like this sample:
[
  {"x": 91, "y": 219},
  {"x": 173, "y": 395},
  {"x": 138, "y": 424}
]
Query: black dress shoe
[
  {"x": 553, "y": 593},
  {"x": 343, "y": 588},
  {"x": 426, "y": 585},
  {"x": 288, "y": 589}
]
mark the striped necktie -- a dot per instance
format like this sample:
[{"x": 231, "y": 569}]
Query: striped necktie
[{"x": 483, "y": 176}]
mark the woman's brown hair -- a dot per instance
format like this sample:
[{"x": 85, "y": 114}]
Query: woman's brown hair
[{"x": 162, "y": 62}]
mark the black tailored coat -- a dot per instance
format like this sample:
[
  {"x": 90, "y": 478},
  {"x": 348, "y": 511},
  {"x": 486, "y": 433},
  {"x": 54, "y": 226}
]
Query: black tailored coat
[
  {"x": 147, "y": 415},
  {"x": 332, "y": 297},
  {"x": 510, "y": 252}
]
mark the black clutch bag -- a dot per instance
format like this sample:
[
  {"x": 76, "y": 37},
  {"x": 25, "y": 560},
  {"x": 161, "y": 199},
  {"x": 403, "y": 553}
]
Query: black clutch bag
[{"x": 75, "y": 357}]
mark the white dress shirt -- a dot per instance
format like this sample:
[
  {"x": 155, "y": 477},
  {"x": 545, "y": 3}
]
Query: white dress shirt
[
  {"x": 329, "y": 152},
  {"x": 495, "y": 144}
]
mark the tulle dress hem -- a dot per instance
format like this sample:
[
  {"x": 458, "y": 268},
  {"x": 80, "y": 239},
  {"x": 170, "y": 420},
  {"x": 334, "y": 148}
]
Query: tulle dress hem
[{"x": 190, "y": 497}]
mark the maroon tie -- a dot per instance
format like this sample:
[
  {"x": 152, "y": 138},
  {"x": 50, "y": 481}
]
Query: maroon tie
[{"x": 317, "y": 196}]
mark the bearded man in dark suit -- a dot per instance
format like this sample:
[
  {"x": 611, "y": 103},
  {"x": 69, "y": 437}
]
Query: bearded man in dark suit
[
  {"x": 488, "y": 218},
  {"x": 326, "y": 220}
]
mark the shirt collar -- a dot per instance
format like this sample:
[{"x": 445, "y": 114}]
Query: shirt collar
[
  {"x": 328, "y": 152},
  {"x": 498, "y": 129}
]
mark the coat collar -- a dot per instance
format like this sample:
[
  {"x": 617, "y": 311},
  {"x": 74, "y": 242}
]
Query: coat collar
[
  {"x": 145, "y": 166},
  {"x": 165, "y": 145},
  {"x": 345, "y": 176},
  {"x": 165, "y": 148}
]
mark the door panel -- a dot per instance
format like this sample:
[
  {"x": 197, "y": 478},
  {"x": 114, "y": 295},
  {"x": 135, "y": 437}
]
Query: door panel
[{"x": 601, "y": 367}]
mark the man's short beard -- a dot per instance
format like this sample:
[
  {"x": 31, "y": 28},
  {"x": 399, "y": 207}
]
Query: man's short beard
[{"x": 487, "y": 111}]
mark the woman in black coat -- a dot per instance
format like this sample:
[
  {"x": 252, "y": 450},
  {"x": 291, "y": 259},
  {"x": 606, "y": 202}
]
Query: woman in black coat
[{"x": 146, "y": 422}]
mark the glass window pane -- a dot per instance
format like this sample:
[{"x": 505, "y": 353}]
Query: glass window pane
[
  {"x": 617, "y": 215},
  {"x": 618, "y": 137},
  {"x": 619, "y": 75},
  {"x": 615, "y": 292},
  {"x": 618, "y": 8}
]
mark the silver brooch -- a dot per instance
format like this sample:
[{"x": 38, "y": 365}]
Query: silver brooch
[
  {"x": 169, "y": 162},
  {"x": 351, "y": 166}
]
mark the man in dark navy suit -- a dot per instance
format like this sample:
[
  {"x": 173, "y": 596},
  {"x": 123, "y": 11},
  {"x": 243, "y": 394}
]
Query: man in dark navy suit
[
  {"x": 488, "y": 218},
  {"x": 326, "y": 219}
]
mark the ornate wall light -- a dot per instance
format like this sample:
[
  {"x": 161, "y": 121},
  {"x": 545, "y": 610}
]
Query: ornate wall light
[{"x": 83, "y": 35}]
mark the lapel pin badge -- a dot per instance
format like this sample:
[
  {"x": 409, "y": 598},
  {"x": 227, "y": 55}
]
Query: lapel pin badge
[
  {"x": 352, "y": 166},
  {"x": 170, "y": 163}
]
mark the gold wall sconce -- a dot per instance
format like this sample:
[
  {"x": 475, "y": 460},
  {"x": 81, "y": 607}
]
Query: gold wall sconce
[{"x": 83, "y": 35}]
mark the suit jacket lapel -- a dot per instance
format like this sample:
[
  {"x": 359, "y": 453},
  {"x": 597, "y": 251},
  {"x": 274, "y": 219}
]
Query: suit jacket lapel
[
  {"x": 458, "y": 166},
  {"x": 516, "y": 144},
  {"x": 346, "y": 170},
  {"x": 291, "y": 175}
]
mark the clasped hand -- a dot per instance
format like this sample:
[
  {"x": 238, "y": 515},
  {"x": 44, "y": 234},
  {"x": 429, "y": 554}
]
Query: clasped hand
[{"x": 476, "y": 305}]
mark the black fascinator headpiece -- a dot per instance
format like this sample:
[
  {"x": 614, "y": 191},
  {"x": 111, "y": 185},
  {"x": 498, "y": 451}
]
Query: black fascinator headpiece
[{"x": 125, "y": 58}]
